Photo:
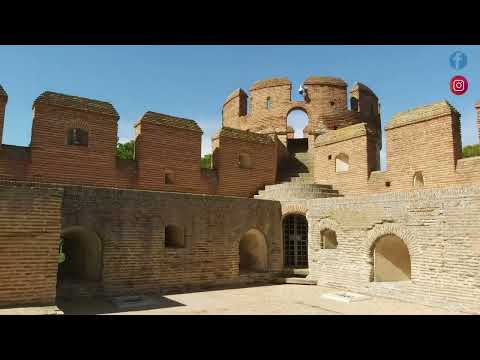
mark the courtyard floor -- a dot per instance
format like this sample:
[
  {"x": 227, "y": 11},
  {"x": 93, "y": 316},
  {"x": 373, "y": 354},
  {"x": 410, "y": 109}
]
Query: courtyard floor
[{"x": 261, "y": 300}]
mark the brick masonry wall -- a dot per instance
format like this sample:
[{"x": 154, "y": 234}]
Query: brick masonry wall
[
  {"x": 131, "y": 225},
  {"x": 164, "y": 148},
  {"x": 428, "y": 147},
  {"x": 30, "y": 220},
  {"x": 439, "y": 226},
  {"x": 432, "y": 147},
  {"x": 14, "y": 162},
  {"x": 353, "y": 180},
  {"x": 236, "y": 181}
]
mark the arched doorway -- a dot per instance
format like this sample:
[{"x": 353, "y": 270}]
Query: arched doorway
[
  {"x": 297, "y": 118},
  {"x": 253, "y": 252},
  {"x": 295, "y": 241},
  {"x": 82, "y": 257},
  {"x": 391, "y": 259}
]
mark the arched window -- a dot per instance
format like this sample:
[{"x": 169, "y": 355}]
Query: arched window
[
  {"x": 341, "y": 163},
  {"x": 77, "y": 136},
  {"x": 269, "y": 103},
  {"x": 329, "y": 239},
  {"x": 169, "y": 177},
  {"x": 391, "y": 259},
  {"x": 253, "y": 252},
  {"x": 298, "y": 120},
  {"x": 174, "y": 237},
  {"x": 418, "y": 180},
  {"x": 244, "y": 161}
]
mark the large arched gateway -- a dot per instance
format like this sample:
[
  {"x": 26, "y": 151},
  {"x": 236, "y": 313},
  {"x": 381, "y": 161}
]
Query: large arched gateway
[{"x": 295, "y": 241}]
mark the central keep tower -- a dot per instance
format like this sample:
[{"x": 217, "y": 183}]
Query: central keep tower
[{"x": 325, "y": 101}]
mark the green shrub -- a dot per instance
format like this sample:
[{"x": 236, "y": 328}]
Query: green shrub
[
  {"x": 471, "y": 150},
  {"x": 206, "y": 161},
  {"x": 125, "y": 151}
]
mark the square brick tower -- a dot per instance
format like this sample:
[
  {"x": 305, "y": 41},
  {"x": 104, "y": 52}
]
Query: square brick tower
[{"x": 74, "y": 140}]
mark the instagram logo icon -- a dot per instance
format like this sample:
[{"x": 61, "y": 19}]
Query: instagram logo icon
[{"x": 458, "y": 85}]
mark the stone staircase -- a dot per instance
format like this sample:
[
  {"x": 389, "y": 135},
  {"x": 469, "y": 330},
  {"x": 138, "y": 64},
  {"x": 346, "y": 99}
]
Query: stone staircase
[
  {"x": 295, "y": 179},
  {"x": 295, "y": 276}
]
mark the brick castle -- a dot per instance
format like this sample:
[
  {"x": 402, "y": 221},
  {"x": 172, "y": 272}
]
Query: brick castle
[{"x": 271, "y": 208}]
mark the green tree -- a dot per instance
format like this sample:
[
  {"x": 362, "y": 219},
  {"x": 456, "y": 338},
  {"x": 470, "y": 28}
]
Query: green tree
[
  {"x": 206, "y": 161},
  {"x": 471, "y": 150},
  {"x": 125, "y": 151}
]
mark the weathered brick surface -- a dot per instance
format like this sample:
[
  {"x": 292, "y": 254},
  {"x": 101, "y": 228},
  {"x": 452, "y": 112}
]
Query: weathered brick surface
[
  {"x": 353, "y": 141},
  {"x": 14, "y": 162},
  {"x": 30, "y": 220},
  {"x": 131, "y": 225},
  {"x": 159, "y": 148},
  {"x": 235, "y": 180},
  {"x": 53, "y": 160},
  {"x": 425, "y": 140},
  {"x": 439, "y": 227},
  {"x": 325, "y": 105}
]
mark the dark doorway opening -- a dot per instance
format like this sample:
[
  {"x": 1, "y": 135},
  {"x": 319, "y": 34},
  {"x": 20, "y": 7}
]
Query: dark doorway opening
[{"x": 80, "y": 262}]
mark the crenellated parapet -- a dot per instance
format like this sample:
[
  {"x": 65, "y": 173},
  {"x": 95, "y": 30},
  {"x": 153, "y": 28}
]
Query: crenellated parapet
[{"x": 74, "y": 142}]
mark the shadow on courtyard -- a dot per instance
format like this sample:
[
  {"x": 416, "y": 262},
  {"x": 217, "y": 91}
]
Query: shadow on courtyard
[
  {"x": 104, "y": 305},
  {"x": 96, "y": 306}
]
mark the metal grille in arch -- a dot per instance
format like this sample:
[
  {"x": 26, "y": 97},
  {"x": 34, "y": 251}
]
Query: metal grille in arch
[{"x": 295, "y": 241}]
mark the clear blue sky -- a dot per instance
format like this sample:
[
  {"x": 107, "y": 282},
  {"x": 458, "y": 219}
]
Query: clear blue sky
[{"x": 193, "y": 81}]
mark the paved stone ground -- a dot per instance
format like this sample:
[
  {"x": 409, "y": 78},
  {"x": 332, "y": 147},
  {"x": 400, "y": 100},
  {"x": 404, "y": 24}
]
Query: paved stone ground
[
  {"x": 42, "y": 310},
  {"x": 261, "y": 300}
]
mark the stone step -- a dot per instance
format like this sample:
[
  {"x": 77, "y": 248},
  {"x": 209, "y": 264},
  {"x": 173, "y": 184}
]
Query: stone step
[
  {"x": 294, "y": 195},
  {"x": 298, "y": 186},
  {"x": 301, "y": 179},
  {"x": 304, "y": 157},
  {"x": 294, "y": 272},
  {"x": 296, "y": 280},
  {"x": 299, "y": 192}
]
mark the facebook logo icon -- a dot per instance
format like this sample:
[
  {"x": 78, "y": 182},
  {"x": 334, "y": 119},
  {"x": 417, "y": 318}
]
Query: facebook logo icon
[{"x": 458, "y": 60}]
